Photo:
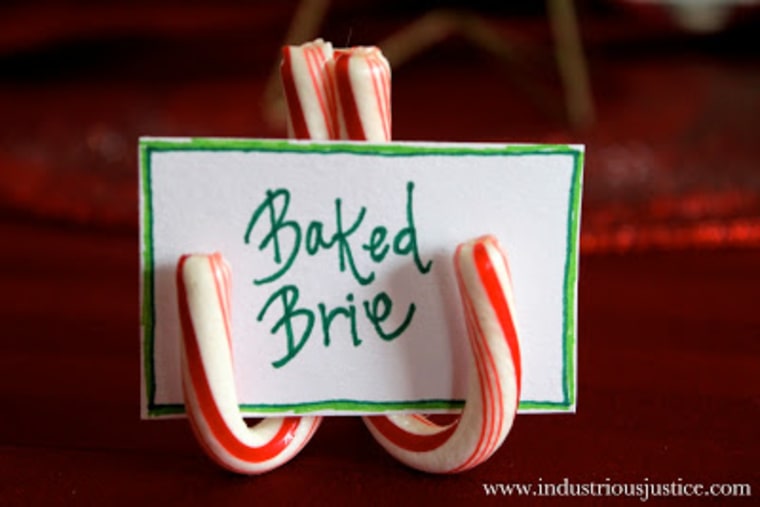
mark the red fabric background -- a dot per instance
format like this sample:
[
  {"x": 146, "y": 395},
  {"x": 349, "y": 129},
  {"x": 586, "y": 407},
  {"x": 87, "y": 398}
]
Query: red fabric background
[{"x": 669, "y": 332}]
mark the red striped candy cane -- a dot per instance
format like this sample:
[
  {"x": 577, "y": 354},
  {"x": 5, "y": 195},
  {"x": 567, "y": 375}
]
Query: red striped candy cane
[
  {"x": 307, "y": 94},
  {"x": 494, "y": 384},
  {"x": 208, "y": 381},
  {"x": 362, "y": 81},
  {"x": 361, "y": 78},
  {"x": 203, "y": 283}
]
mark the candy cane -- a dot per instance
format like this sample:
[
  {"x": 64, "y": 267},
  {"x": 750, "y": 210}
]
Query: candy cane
[
  {"x": 208, "y": 381},
  {"x": 494, "y": 384},
  {"x": 203, "y": 283},
  {"x": 349, "y": 97},
  {"x": 360, "y": 78},
  {"x": 308, "y": 97},
  {"x": 362, "y": 82}
]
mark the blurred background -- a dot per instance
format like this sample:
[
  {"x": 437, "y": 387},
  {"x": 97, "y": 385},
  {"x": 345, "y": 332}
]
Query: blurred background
[{"x": 666, "y": 96}]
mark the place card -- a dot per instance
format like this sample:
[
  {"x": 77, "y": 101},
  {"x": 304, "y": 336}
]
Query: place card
[{"x": 344, "y": 298}]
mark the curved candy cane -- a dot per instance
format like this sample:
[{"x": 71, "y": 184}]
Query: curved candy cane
[
  {"x": 361, "y": 78},
  {"x": 494, "y": 383},
  {"x": 208, "y": 383}
]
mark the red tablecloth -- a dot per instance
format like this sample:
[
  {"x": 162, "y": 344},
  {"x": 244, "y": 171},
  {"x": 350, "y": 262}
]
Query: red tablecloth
[{"x": 669, "y": 353}]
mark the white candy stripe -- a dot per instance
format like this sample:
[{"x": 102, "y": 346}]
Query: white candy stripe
[
  {"x": 361, "y": 80},
  {"x": 307, "y": 93},
  {"x": 208, "y": 378},
  {"x": 494, "y": 382}
]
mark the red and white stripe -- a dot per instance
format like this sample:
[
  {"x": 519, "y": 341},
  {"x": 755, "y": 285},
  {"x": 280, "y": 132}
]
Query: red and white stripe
[
  {"x": 203, "y": 285},
  {"x": 361, "y": 80},
  {"x": 494, "y": 384},
  {"x": 308, "y": 96},
  {"x": 208, "y": 380}
]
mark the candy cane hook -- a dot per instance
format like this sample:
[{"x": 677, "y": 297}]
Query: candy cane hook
[
  {"x": 208, "y": 383},
  {"x": 361, "y": 78},
  {"x": 494, "y": 384}
]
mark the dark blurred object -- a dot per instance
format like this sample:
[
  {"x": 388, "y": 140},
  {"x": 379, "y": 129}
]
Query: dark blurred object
[
  {"x": 698, "y": 16},
  {"x": 671, "y": 159}
]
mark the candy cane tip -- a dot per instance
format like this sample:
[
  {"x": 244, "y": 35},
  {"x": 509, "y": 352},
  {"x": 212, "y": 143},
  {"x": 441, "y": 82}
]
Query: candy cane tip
[
  {"x": 208, "y": 377},
  {"x": 491, "y": 403}
]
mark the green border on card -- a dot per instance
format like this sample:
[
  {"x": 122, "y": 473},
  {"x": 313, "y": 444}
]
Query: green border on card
[
  {"x": 147, "y": 309},
  {"x": 148, "y": 146}
]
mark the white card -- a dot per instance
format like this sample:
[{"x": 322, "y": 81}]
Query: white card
[{"x": 378, "y": 225}]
